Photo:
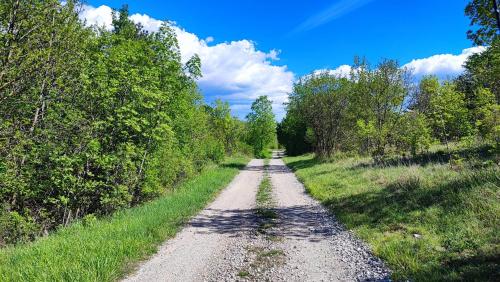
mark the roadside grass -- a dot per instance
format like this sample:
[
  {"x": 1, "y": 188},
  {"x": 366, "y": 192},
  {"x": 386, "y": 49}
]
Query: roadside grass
[
  {"x": 428, "y": 220},
  {"x": 109, "y": 248}
]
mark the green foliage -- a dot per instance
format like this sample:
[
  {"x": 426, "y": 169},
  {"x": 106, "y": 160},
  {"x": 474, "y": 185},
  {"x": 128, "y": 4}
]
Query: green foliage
[
  {"x": 484, "y": 20},
  {"x": 486, "y": 114},
  {"x": 482, "y": 70},
  {"x": 321, "y": 102},
  {"x": 413, "y": 134},
  {"x": 378, "y": 112},
  {"x": 427, "y": 88},
  {"x": 426, "y": 221},
  {"x": 292, "y": 134},
  {"x": 448, "y": 114},
  {"x": 93, "y": 121},
  {"x": 359, "y": 113},
  {"x": 16, "y": 228},
  {"x": 262, "y": 126},
  {"x": 229, "y": 131},
  {"x": 103, "y": 249}
]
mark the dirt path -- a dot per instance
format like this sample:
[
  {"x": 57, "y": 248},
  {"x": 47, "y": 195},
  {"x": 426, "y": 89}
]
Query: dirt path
[
  {"x": 315, "y": 245},
  {"x": 197, "y": 250},
  {"x": 293, "y": 239}
]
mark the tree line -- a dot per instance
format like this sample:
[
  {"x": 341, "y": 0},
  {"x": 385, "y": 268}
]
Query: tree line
[
  {"x": 383, "y": 110},
  {"x": 95, "y": 120}
]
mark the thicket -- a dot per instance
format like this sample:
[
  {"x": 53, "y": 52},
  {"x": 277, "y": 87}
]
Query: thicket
[
  {"x": 92, "y": 121},
  {"x": 383, "y": 110}
]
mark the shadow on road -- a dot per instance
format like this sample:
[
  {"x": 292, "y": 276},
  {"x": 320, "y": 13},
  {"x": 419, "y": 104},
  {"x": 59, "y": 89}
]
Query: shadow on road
[{"x": 299, "y": 222}]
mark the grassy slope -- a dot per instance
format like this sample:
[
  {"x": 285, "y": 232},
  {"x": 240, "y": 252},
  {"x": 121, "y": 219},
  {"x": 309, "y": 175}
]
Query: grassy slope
[
  {"x": 456, "y": 213},
  {"x": 106, "y": 249}
]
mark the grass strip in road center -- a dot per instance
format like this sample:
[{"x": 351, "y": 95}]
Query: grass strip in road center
[
  {"x": 108, "y": 248},
  {"x": 264, "y": 254}
]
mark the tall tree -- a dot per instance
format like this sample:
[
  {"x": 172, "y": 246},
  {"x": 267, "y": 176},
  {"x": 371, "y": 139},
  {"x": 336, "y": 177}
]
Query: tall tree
[
  {"x": 485, "y": 17},
  {"x": 322, "y": 101},
  {"x": 384, "y": 90},
  {"x": 93, "y": 120},
  {"x": 262, "y": 125}
]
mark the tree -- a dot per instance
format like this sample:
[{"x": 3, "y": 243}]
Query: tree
[
  {"x": 94, "y": 120},
  {"x": 428, "y": 87},
  {"x": 262, "y": 126},
  {"x": 223, "y": 124},
  {"x": 322, "y": 101},
  {"x": 483, "y": 70},
  {"x": 292, "y": 134},
  {"x": 486, "y": 115},
  {"x": 383, "y": 91},
  {"x": 449, "y": 117},
  {"x": 413, "y": 134},
  {"x": 485, "y": 17}
]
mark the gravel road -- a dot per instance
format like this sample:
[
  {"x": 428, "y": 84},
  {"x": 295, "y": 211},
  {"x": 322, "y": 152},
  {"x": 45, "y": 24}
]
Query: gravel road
[
  {"x": 194, "y": 252},
  {"x": 316, "y": 246},
  {"x": 294, "y": 239}
]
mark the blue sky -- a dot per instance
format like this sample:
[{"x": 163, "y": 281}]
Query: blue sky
[{"x": 259, "y": 47}]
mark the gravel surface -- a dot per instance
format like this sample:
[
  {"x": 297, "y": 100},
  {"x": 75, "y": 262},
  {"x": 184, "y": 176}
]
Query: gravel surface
[
  {"x": 218, "y": 230},
  {"x": 231, "y": 241},
  {"x": 316, "y": 246}
]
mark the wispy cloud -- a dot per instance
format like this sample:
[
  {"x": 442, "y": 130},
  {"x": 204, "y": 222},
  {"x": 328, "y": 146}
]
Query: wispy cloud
[{"x": 335, "y": 11}]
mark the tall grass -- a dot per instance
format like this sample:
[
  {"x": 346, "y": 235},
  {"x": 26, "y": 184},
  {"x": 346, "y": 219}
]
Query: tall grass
[
  {"x": 427, "y": 219},
  {"x": 106, "y": 249}
]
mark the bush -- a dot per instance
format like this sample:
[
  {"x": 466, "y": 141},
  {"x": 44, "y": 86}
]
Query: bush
[{"x": 16, "y": 228}]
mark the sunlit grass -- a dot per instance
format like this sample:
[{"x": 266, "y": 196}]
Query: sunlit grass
[
  {"x": 428, "y": 222},
  {"x": 106, "y": 249}
]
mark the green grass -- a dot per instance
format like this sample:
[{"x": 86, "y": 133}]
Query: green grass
[
  {"x": 108, "y": 248},
  {"x": 272, "y": 253},
  {"x": 427, "y": 220},
  {"x": 265, "y": 203},
  {"x": 264, "y": 194},
  {"x": 243, "y": 274}
]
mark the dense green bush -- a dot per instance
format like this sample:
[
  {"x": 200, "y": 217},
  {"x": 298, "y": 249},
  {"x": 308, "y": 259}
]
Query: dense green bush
[
  {"x": 15, "y": 227},
  {"x": 91, "y": 120},
  {"x": 378, "y": 112}
]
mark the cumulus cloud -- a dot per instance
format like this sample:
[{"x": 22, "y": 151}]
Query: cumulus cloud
[
  {"x": 341, "y": 71},
  {"x": 100, "y": 16},
  {"x": 234, "y": 71},
  {"x": 148, "y": 23},
  {"x": 443, "y": 65}
]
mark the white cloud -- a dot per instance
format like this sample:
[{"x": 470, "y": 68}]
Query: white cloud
[
  {"x": 341, "y": 71},
  {"x": 443, "y": 65},
  {"x": 234, "y": 71},
  {"x": 100, "y": 16},
  {"x": 148, "y": 23},
  {"x": 209, "y": 39}
]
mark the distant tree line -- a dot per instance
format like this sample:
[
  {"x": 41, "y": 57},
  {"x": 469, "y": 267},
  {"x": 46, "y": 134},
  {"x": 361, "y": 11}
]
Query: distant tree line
[
  {"x": 382, "y": 109},
  {"x": 92, "y": 120}
]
